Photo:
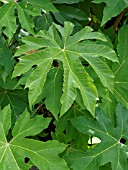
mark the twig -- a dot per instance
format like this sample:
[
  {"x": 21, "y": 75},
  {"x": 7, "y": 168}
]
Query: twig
[
  {"x": 33, "y": 113},
  {"x": 116, "y": 23}
]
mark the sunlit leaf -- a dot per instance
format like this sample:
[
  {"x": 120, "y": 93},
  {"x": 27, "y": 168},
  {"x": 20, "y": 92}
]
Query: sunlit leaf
[{"x": 67, "y": 49}]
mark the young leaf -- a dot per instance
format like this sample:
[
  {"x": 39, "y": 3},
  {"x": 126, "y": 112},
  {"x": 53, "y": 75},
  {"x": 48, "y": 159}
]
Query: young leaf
[
  {"x": 44, "y": 155},
  {"x": 68, "y": 49},
  {"x": 111, "y": 149},
  {"x": 112, "y": 9}
]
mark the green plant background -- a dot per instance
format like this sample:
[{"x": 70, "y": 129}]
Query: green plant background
[{"x": 63, "y": 84}]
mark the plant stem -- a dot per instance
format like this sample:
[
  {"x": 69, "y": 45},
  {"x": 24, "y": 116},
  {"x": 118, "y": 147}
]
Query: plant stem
[{"x": 120, "y": 16}]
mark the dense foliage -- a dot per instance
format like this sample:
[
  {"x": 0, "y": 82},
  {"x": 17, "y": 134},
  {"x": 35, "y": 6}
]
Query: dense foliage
[{"x": 64, "y": 84}]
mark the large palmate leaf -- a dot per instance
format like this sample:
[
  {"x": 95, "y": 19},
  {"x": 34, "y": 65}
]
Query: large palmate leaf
[
  {"x": 113, "y": 8},
  {"x": 25, "y": 11},
  {"x": 110, "y": 149},
  {"x": 43, "y": 155},
  {"x": 121, "y": 73},
  {"x": 68, "y": 49}
]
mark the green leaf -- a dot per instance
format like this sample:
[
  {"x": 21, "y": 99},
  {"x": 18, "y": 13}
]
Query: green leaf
[
  {"x": 66, "y": 133},
  {"x": 43, "y": 22},
  {"x": 112, "y": 9},
  {"x": 121, "y": 74},
  {"x": 24, "y": 17},
  {"x": 45, "y": 4},
  {"x": 69, "y": 13},
  {"x": 41, "y": 154},
  {"x": 69, "y": 50},
  {"x": 6, "y": 59},
  {"x": 16, "y": 98},
  {"x": 108, "y": 106},
  {"x": 25, "y": 11},
  {"x": 66, "y": 1},
  {"x": 7, "y": 19},
  {"x": 53, "y": 90},
  {"x": 110, "y": 149},
  {"x": 35, "y": 82},
  {"x": 30, "y": 44},
  {"x": 99, "y": 66},
  {"x": 106, "y": 101},
  {"x": 98, "y": 11}
]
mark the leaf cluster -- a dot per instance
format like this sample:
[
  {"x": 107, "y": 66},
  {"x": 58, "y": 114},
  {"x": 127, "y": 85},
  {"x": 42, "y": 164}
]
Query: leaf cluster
[{"x": 63, "y": 84}]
